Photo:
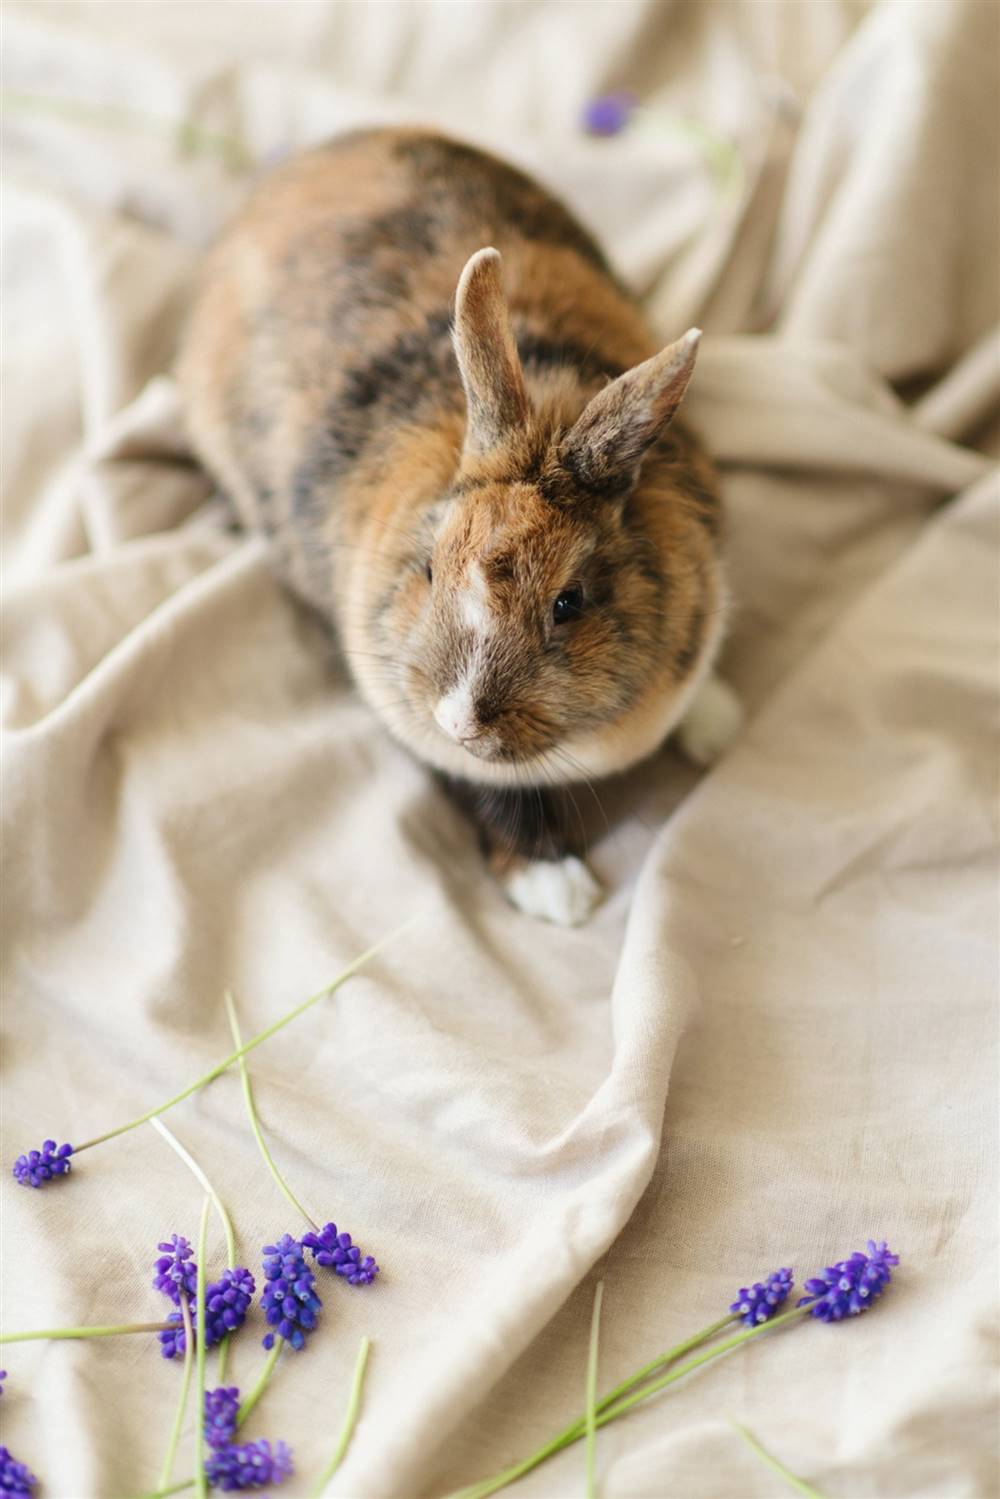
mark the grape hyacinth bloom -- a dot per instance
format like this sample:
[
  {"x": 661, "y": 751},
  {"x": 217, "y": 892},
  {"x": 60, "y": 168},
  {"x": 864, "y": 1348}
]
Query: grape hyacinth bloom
[
  {"x": 849, "y": 1287},
  {"x": 173, "y": 1342},
  {"x": 40, "y": 1166},
  {"x": 14, "y": 1476},
  {"x": 175, "y": 1270},
  {"x": 290, "y": 1304},
  {"x": 227, "y": 1302},
  {"x": 250, "y": 1466},
  {"x": 3, "y": 1376},
  {"x": 610, "y": 113},
  {"x": 336, "y": 1251},
  {"x": 759, "y": 1302},
  {"x": 221, "y": 1409}
]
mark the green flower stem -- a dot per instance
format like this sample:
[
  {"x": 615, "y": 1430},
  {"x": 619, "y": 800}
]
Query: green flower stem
[
  {"x": 175, "y": 1488},
  {"x": 264, "y": 1035},
  {"x": 350, "y": 1419},
  {"x": 794, "y": 1482},
  {"x": 187, "y": 135},
  {"x": 258, "y": 1133},
  {"x": 115, "y": 1331},
  {"x": 249, "y": 1401},
  {"x": 573, "y": 1430},
  {"x": 670, "y": 1357},
  {"x": 192, "y": 1165},
  {"x": 611, "y": 1407},
  {"x": 175, "y": 1431},
  {"x": 716, "y": 1351},
  {"x": 591, "y": 1426},
  {"x": 201, "y": 1486},
  {"x": 224, "y": 1219}
]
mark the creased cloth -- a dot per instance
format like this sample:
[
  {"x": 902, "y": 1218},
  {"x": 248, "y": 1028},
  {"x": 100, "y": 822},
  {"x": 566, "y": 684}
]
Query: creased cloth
[{"x": 777, "y": 1037}]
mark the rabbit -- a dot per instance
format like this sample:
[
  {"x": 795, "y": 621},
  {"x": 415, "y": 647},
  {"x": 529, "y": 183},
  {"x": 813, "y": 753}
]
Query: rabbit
[{"x": 415, "y": 374}]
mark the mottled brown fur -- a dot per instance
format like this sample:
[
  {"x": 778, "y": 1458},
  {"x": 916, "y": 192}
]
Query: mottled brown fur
[{"x": 324, "y": 392}]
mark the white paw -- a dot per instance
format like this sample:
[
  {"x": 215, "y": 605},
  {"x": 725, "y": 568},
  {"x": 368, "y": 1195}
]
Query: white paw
[
  {"x": 559, "y": 890},
  {"x": 711, "y": 723}
]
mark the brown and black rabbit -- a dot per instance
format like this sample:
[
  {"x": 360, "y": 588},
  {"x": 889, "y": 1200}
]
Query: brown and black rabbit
[{"x": 471, "y": 474}]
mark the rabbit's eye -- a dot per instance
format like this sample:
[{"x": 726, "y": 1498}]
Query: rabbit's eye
[
  {"x": 429, "y": 572},
  {"x": 569, "y": 605}
]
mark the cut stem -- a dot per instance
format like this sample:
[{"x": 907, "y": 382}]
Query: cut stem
[
  {"x": 201, "y": 1486},
  {"x": 195, "y": 1169},
  {"x": 110, "y": 1331},
  {"x": 610, "y": 1408},
  {"x": 175, "y": 1431},
  {"x": 794, "y": 1482},
  {"x": 621, "y": 1406},
  {"x": 249, "y": 1401},
  {"x": 264, "y": 1035},
  {"x": 572, "y": 1431},
  {"x": 350, "y": 1419},
  {"x": 258, "y": 1133},
  {"x": 591, "y": 1424}
]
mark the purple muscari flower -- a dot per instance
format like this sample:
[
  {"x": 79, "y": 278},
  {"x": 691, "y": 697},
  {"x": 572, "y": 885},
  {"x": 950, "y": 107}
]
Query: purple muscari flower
[
  {"x": 290, "y": 1304},
  {"x": 249, "y": 1467},
  {"x": 850, "y": 1287},
  {"x": 3, "y": 1376},
  {"x": 14, "y": 1476},
  {"x": 175, "y": 1270},
  {"x": 759, "y": 1302},
  {"x": 227, "y": 1302},
  {"x": 221, "y": 1409},
  {"x": 337, "y": 1251},
  {"x": 609, "y": 114},
  {"x": 173, "y": 1342},
  {"x": 40, "y": 1166}
]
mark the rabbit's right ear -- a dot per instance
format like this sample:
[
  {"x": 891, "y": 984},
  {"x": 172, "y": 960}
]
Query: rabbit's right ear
[{"x": 496, "y": 399}]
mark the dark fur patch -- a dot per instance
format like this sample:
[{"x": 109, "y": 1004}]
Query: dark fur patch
[
  {"x": 538, "y": 352},
  {"x": 570, "y": 480},
  {"x": 494, "y": 193},
  {"x": 415, "y": 374},
  {"x": 690, "y": 646},
  {"x": 707, "y": 507},
  {"x": 533, "y": 823}
]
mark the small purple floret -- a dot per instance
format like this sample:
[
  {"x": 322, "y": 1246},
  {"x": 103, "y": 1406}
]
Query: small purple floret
[
  {"x": 227, "y": 1302},
  {"x": 14, "y": 1476},
  {"x": 759, "y": 1302},
  {"x": 609, "y": 114},
  {"x": 3, "y": 1376},
  {"x": 250, "y": 1466},
  {"x": 849, "y": 1288},
  {"x": 336, "y": 1251},
  {"x": 221, "y": 1409},
  {"x": 40, "y": 1166},
  {"x": 175, "y": 1270},
  {"x": 289, "y": 1302}
]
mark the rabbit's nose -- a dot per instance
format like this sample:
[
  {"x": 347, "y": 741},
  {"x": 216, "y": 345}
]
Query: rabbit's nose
[{"x": 455, "y": 715}]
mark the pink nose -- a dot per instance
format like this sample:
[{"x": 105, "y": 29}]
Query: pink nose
[{"x": 455, "y": 718}]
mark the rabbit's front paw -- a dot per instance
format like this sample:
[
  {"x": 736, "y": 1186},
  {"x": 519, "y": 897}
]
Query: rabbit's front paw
[{"x": 560, "y": 890}]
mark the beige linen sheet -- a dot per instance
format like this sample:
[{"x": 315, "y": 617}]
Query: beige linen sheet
[{"x": 776, "y": 1038}]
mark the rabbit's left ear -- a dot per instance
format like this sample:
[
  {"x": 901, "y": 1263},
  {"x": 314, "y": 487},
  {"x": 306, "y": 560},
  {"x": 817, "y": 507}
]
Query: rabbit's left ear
[
  {"x": 496, "y": 399},
  {"x": 604, "y": 450}
]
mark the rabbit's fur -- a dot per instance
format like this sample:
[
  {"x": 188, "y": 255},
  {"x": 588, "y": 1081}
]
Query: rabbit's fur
[{"x": 471, "y": 476}]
